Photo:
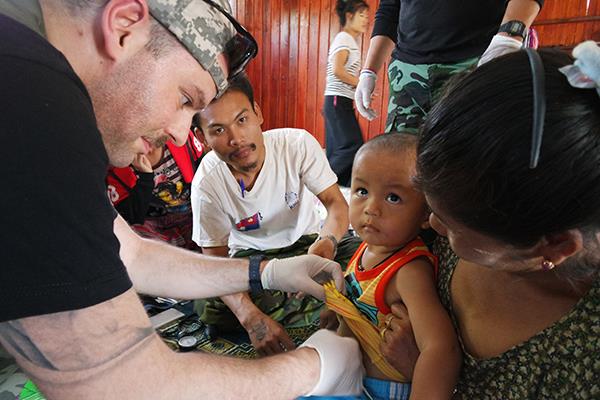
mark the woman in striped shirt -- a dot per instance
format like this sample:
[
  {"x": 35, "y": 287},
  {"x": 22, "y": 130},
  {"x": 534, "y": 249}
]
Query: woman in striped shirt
[{"x": 342, "y": 132}]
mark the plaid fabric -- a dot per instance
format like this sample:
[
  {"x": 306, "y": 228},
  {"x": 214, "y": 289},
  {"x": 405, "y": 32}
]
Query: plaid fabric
[{"x": 173, "y": 228}]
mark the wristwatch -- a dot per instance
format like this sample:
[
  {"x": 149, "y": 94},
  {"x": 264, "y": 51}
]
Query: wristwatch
[
  {"x": 256, "y": 286},
  {"x": 514, "y": 28}
]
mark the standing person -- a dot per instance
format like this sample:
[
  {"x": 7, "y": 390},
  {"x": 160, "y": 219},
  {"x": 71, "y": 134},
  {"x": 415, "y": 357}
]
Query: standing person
[
  {"x": 429, "y": 41},
  {"x": 520, "y": 268},
  {"x": 343, "y": 136},
  {"x": 75, "y": 79}
]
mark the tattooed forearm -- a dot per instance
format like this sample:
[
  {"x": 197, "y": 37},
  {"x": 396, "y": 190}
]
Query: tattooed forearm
[
  {"x": 78, "y": 339},
  {"x": 259, "y": 331},
  {"x": 15, "y": 339}
]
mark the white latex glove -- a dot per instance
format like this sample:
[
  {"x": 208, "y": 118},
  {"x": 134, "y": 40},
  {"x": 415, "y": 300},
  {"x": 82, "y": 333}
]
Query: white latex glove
[
  {"x": 499, "y": 46},
  {"x": 364, "y": 92},
  {"x": 302, "y": 274},
  {"x": 341, "y": 364},
  {"x": 587, "y": 56},
  {"x": 584, "y": 73}
]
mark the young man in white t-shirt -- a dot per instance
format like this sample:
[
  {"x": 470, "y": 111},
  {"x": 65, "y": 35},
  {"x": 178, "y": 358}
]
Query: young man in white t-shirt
[{"x": 257, "y": 193}]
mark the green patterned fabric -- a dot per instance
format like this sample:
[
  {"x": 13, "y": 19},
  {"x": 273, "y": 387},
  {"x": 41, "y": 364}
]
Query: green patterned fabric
[
  {"x": 31, "y": 392},
  {"x": 12, "y": 378},
  {"x": 560, "y": 362},
  {"x": 287, "y": 310},
  {"x": 232, "y": 344},
  {"x": 413, "y": 90}
]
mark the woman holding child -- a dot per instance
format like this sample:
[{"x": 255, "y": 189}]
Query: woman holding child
[
  {"x": 520, "y": 253},
  {"x": 509, "y": 163}
]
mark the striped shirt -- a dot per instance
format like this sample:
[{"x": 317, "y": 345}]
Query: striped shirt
[{"x": 334, "y": 86}]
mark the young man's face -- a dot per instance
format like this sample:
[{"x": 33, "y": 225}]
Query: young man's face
[
  {"x": 147, "y": 101},
  {"x": 231, "y": 126}
]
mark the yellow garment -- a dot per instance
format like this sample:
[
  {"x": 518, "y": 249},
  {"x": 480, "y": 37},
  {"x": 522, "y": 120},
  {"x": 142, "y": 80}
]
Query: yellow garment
[
  {"x": 365, "y": 310},
  {"x": 366, "y": 333}
]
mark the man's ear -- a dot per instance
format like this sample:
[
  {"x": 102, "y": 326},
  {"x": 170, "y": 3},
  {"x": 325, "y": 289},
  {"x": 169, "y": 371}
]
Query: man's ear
[
  {"x": 259, "y": 114},
  {"x": 557, "y": 247},
  {"x": 125, "y": 28}
]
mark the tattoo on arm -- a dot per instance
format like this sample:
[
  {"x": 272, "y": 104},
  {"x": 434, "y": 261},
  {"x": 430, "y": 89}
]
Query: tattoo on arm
[
  {"x": 260, "y": 330},
  {"x": 78, "y": 339}
]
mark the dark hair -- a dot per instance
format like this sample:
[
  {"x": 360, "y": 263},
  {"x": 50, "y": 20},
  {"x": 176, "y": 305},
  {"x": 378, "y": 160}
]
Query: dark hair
[
  {"x": 393, "y": 142},
  {"x": 474, "y": 152},
  {"x": 348, "y": 6},
  {"x": 241, "y": 84}
]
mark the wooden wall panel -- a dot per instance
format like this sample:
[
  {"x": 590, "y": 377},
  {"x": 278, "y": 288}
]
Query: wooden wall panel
[
  {"x": 566, "y": 23},
  {"x": 288, "y": 74}
]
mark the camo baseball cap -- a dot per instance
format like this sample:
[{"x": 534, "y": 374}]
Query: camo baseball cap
[{"x": 201, "y": 28}]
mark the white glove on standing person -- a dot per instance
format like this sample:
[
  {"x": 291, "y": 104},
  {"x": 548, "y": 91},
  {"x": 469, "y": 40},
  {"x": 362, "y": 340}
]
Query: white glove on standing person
[
  {"x": 364, "y": 93},
  {"x": 499, "y": 46},
  {"x": 341, "y": 366},
  {"x": 302, "y": 274}
]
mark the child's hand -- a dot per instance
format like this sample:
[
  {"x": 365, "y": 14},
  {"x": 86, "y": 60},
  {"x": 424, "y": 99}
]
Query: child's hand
[
  {"x": 141, "y": 163},
  {"x": 329, "y": 320}
]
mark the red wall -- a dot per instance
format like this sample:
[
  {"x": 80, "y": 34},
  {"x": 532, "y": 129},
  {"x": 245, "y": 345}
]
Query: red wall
[{"x": 288, "y": 73}]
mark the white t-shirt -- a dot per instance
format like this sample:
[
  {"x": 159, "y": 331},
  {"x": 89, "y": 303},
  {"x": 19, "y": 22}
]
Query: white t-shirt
[
  {"x": 280, "y": 208},
  {"x": 334, "y": 86}
]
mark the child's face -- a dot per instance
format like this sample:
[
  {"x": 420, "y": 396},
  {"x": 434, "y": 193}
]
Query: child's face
[{"x": 385, "y": 209}]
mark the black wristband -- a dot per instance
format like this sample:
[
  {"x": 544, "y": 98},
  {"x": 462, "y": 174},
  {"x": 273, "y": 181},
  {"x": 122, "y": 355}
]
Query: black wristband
[
  {"x": 254, "y": 274},
  {"x": 514, "y": 28}
]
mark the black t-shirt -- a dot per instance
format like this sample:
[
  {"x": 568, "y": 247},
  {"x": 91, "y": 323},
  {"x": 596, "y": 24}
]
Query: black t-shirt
[
  {"x": 57, "y": 247},
  {"x": 439, "y": 31}
]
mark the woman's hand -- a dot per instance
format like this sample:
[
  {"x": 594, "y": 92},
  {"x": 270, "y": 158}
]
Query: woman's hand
[{"x": 399, "y": 346}]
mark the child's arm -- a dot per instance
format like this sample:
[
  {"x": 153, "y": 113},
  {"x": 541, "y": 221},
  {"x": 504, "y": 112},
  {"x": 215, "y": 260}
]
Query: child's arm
[{"x": 438, "y": 365}]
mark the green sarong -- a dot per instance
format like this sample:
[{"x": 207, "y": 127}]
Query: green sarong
[{"x": 281, "y": 307}]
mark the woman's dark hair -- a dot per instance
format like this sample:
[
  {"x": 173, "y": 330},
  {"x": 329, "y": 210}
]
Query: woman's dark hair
[
  {"x": 349, "y": 6},
  {"x": 473, "y": 155}
]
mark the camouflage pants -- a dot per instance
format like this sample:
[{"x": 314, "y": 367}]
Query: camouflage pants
[
  {"x": 288, "y": 311},
  {"x": 413, "y": 89}
]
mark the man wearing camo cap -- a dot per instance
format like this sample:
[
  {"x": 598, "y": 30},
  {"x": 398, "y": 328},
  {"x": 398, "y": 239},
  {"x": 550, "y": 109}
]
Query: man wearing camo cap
[{"x": 85, "y": 84}]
